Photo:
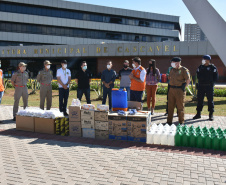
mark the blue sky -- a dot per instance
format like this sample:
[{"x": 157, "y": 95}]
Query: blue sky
[{"x": 169, "y": 7}]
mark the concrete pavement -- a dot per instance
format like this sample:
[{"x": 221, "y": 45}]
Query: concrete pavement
[{"x": 32, "y": 158}]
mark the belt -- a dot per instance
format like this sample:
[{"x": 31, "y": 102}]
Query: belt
[
  {"x": 171, "y": 86},
  {"x": 46, "y": 84},
  {"x": 20, "y": 86}
]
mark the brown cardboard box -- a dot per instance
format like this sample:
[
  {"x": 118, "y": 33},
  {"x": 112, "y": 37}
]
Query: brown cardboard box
[
  {"x": 75, "y": 129},
  {"x": 101, "y": 125},
  {"x": 87, "y": 115},
  {"x": 117, "y": 124},
  {"x": 87, "y": 124},
  {"x": 74, "y": 113},
  {"x": 101, "y": 116},
  {"x": 101, "y": 134},
  {"x": 44, "y": 125},
  {"x": 25, "y": 123},
  {"x": 135, "y": 105}
]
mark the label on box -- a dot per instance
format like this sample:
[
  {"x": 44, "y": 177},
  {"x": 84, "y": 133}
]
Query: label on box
[
  {"x": 87, "y": 115},
  {"x": 101, "y": 134},
  {"x": 74, "y": 113},
  {"x": 101, "y": 116},
  {"x": 75, "y": 129},
  {"x": 88, "y": 132},
  {"x": 101, "y": 125},
  {"x": 87, "y": 124}
]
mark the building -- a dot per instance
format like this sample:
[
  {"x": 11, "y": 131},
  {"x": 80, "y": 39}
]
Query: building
[
  {"x": 51, "y": 22},
  {"x": 194, "y": 33}
]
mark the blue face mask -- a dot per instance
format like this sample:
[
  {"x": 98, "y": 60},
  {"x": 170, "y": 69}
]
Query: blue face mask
[{"x": 84, "y": 67}]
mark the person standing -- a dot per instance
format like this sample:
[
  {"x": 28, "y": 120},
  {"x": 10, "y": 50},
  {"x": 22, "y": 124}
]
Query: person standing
[
  {"x": 1, "y": 85},
  {"x": 19, "y": 81},
  {"x": 108, "y": 79},
  {"x": 207, "y": 75},
  {"x": 152, "y": 79},
  {"x": 83, "y": 79},
  {"x": 179, "y": 79},
  {"x": 138, "y": 78},
  {"x": 45, "y": 78},
  {"x": 124, "y": 78},
  {"x": 64, "y": 79}
]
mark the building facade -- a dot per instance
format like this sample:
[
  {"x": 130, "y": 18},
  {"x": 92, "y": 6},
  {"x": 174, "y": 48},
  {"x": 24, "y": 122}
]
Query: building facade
[
  {"x": 42, "y": 22},
  {"x": 194, "y": 33}
]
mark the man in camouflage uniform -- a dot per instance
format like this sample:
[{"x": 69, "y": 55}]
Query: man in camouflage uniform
[
  {"x": 45, "y": 77},
  {"x": 19, "y": 81}
]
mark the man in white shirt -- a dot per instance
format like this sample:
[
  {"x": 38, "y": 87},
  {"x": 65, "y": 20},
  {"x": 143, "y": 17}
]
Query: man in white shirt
[{"x": 64, "y": 79}]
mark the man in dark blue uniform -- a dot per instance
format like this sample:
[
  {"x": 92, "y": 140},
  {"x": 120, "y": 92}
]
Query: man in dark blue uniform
[{"x": 207, "y": 75}]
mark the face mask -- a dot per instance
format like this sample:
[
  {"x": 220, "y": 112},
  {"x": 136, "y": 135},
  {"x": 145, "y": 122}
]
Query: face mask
[
  {"x": 65, "y": 65},
  {"x": 133, "y": 65},
  {"x": 203, "y": 62},
  {"x": 173, "y": 65},
  {"x": 48, "y": 67},
  {"x": 23, "y": 68},
  {"x": 109, "y": 66},
  {"x": 0, "y": 65},
  {"x": 84, "y": 67},
  {"x": 150, "y": 65},
  {"x": 125, "y": 66}
]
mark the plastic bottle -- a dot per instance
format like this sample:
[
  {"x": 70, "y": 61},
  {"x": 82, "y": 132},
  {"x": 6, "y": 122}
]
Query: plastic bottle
[
  {"x": 150, "y": 137},
  {"x": 216, "y": 142},
  {"x": 163, "y": 137},
  {"x": 186, "y": 138},
  {"x": 200, "y": 140},
  {"x": 223, "y": 143},
  {"x": 171, "y": 138},
  {"x": 208, "y": 141},
  {"x": 178, "y": 139},
  {"x": 193, "y": 140}
]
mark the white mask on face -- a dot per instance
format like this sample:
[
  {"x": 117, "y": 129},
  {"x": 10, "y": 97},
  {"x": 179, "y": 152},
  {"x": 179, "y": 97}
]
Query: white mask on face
[
  {"x": 203, "y": 62},
  {"x": 173, "y": 65},
  {"x": 65, "y": 65},
  {"x": 109, "y": 66},
  {"x": 23, "y": 68},
  {"x": 133, "y": 65},
  {"x": 48, "y": 66}
]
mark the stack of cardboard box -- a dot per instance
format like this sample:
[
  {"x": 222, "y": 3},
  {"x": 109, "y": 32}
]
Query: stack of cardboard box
[
  {"x": 87, "y": 122},
  {"x": 101, "y": 124},
  {"x": 75, "y": 128},
  {"x": 137, "y": 125},
  {"x": 117, "y": 126}
]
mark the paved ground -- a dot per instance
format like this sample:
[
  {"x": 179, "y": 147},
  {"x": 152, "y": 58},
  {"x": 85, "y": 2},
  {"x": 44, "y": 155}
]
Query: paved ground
[{"x": 32, "y": 158}]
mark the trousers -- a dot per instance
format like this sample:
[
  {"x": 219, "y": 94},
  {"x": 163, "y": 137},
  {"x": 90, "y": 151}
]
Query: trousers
[{"x": 20, "y": 91}]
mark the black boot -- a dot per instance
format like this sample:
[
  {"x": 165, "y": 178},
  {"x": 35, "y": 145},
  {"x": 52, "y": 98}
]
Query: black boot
[
  {"x": 198, "y": 115},
  {"x": 211, "y": 116}
]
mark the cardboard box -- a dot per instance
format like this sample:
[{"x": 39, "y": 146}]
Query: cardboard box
[
  {"x": 87, "y": 115},
  {"x": 135, "y": 105},
  {"x": 74, "y": 113},
  {"x": 101, "y": 125},
  {"x": 25, "y": 123},
  {"x": 88, "y": 132},
  {"x": 101, "y": 134},
  {"x": 101, "y": 116},
  {"x": 88, "y": 124},
  {"x": 44, "y": 125},
  {"x": 75, "y": 129}
]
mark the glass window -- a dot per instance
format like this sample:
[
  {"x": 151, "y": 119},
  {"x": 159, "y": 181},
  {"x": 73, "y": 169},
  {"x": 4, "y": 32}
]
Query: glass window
[{"x": 8, "y": 27}]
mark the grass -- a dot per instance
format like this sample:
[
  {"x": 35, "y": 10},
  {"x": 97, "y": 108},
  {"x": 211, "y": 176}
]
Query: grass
[{"x": 190, "y": 107}]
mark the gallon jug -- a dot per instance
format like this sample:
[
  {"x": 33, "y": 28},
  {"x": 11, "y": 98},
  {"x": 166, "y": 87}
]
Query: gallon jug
[
  {"x": 150, "y": 137},
  {"x": 119, "y": 100},
  {"x": 186, "y": 138},
  {"x": 200, "y": 140},
  {"x": 208, "y": 142},
  {"x": 163, "y": 137},
  {"x": 178, "y": 139},
  {"x": 193, "y": 140},
  {"x": 171, "y": 138},
  {"x": 157, "y": 138},
  {"x": 223, "y": 143},
  {"x": 216, "y": 142}
]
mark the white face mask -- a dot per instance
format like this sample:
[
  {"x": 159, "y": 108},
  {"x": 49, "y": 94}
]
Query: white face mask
[
  {"x": 22, "y": 69},
  {"x": 48, "y": 66},
  {"x": 203, "y": 62},
  {"x": 133, "y": 65},
  {"x": 65, "y": 65},
  {"x": 173, "y": 65},
  {"x": 109, "y": 66}
]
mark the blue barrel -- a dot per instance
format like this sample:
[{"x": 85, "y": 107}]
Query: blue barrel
[{"x": 119, "y": 100}]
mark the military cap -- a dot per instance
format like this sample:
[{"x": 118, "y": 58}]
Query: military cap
[
  {"x": 47, "y": 62},
  {"x": 176, "y": 59},
  {"x": 207, "y": 57},
  {"x": 22, "y": 64}
]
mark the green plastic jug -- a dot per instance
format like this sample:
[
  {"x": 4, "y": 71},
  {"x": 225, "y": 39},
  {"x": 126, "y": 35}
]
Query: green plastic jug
[
  {"x": 178, "y": 138},
  {"x": 216, "y": 142},
  {"x": 200, "y": 140},
  {"x": 186, "y": 138},
  {"x": 208, "y": 141},
  {"x": 223, "y": 143},
  {"x": 193, "y": 140}
]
